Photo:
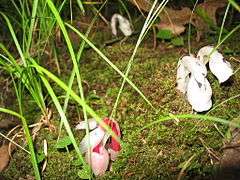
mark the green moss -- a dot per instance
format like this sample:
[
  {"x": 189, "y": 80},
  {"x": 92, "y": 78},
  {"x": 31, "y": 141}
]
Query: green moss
[{"x": 154, "y": 153}]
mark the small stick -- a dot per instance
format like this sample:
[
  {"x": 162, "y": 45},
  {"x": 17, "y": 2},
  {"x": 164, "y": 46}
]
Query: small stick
[{"x": 210, "y": 152}]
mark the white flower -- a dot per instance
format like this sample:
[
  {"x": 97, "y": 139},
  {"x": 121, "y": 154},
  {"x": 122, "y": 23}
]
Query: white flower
[
  {"x": 124, "y": 25},
  {"x": 199, "y": 91}
]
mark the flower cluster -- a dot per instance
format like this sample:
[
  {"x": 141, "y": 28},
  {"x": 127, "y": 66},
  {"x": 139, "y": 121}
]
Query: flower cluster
[
  {"x": 103, "y": 147},
  {"x": 192, "y": 72}
]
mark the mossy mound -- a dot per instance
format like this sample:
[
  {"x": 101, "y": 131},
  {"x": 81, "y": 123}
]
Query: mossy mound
[{"x": 159, "y": 151}]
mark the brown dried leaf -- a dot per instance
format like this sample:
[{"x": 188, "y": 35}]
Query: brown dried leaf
[
  {"x": 175, "y": 20},
  {"x": 4, "y": 157},
  {"x": 211, "y": 7}
]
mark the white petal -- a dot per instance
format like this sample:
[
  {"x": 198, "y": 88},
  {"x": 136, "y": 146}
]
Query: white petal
[
  {"x": 199, "y": 96},
  {"x": 196, "y": 67},
  {"x": 91, "y": 122},
  {"x": 221, "y": 69},
  {"x": 218, "y": 66},
  {"x": 95, "y": 137},
  {"x": 203, "y": 53},
  {"x": 182, "y": 77}
]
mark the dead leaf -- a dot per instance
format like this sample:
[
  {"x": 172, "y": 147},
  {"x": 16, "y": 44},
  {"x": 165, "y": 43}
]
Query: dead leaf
[
  {"x": 175, "y": 20},
  {"x": 7, "y": 122},
  {"x": 175, "y": 29},
  {"x": 4, "y": 157}
]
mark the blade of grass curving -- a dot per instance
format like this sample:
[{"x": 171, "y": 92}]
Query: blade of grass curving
[
  {"x": 70, "y": 82},
  {"x": 229, "y": 99},
  {"x": 109, "y": 62},
  {"x": 8, "y": 67},
  {"x": 189, "y": 116},
  {"x": 223, "y": 40},
  {"x": 14, "y": 39},
  {"x": 80, "y": 4},
  {"x": 223, "y": 22},
  {"x": 10, "y": 58},
  {"x": 69, "y": 45},
  {"x": 234, "y": 4},
  {"x": 64, "y": 120},
  {"x": 3, "y": 63},
  {"x": 75, "y": 97},
  {"x": 79, "y": 54},
  {"x": 29, "y": 140},
  {"x": 31, "y": 28}
]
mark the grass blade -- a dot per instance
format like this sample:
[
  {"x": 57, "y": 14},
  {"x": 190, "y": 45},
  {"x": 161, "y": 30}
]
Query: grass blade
[
  {"x": 30, "y": 31},
  {"x": 234, "y": 4},
  {"x": 189, "y": 116},
  {"x": 223, "y": 22},
  {"x": 80, "y": 4},
  {"x": 14, "y": 39}
]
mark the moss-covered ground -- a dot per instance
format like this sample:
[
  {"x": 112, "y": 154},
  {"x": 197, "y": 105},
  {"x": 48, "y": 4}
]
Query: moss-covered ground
[{"x": 157, "y": 152}]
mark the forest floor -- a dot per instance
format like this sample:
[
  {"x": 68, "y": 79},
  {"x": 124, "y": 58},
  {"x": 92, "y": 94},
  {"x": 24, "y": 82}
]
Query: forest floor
[{"x": 156, "y": 152}]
